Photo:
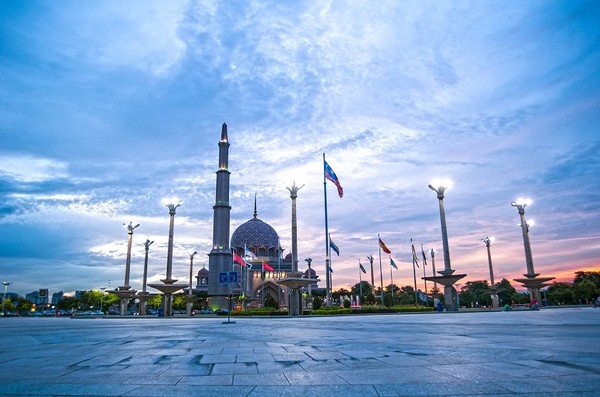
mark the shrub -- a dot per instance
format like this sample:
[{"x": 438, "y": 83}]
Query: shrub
[{"x": 317, "y": 303}]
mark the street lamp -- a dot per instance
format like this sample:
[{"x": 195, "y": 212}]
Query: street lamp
[
  {"x": 130, "y": 229},
  {"x": 532, "y": 281},
  {"x": 170, "y": 204},
  {"x": 447, "y": 278},
  {"x": 144, "y": 296},
  {"x": 190, "y": 303},
  {"x": 6, "y": 284},
  {"x": 440, "y": 186},
  {"x": 488, "y": 241}
]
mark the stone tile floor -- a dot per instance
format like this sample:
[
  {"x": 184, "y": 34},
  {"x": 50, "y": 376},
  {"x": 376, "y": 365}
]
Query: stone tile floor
[{"x": 551, "y": 352}]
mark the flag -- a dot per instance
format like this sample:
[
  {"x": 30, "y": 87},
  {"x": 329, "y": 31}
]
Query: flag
[
  {"x": 362, "y": 268},
  {"x": 414, "y": 253},
  {"x": 268, "y": 267},
  {"x": 329, "y": 174},
  {"x": 384, "y": 247},
  {"x": 424, "y": 256},
  {"x": 330, "y": 269},
  {"x": 393, "y": 264},
  {"x": 238, "y": 259},
  {"x": 249, "y": 254},
  {"x": 334, "y": 247}
]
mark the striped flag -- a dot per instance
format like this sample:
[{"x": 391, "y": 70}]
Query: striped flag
[
  {"x": 384, "y": 247},
  {"x": 334, "y": 246},
  {"x": 362, "y": 268},
  {"x": 329, "y": 174},
  {"x": 414, "y": 254}
]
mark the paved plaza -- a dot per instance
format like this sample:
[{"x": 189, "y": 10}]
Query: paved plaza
[{"x": 547, "y": 352}]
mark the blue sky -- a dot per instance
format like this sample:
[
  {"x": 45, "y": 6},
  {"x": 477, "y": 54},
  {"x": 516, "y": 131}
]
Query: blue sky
[{"x": 108, "y": 107}]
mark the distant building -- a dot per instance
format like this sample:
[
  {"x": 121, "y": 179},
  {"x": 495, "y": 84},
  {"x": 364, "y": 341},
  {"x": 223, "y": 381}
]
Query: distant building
[
  {"x": 39, "y": 297},
  {"x": 57, "y": 297}
]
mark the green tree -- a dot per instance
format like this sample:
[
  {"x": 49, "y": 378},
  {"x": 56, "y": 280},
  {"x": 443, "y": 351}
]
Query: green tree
[
  {"x": 68, "y": 303},
  {"x": 505, "y": 291},
  {"x": 594, "y": 277},
  {"x": 23, "y": 305},
  {"x": 179, "y": 302},
  {"x": 584, "y": 290},
  {"x": 364, "y": 286},
  {"x": 154, "y": 302},
  {"x": 317, "y": 303},
  {"x": 475, "y": 293},
  {"x": 271, "y": 302},
  {"x": 561, "y": 293},
  {"x": 8, "y": 305},
  {"x": 406, "y": 296}
]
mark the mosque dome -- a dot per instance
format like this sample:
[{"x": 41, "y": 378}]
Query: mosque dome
[{"x": 254, "y": 233}]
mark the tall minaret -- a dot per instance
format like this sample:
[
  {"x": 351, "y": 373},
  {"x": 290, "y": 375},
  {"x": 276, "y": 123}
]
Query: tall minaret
[{"x": 220, "y": 257}]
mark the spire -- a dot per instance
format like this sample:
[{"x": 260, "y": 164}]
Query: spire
[
  {"x": 255, "y": 206},
  {"x": 224, "y": 133}
]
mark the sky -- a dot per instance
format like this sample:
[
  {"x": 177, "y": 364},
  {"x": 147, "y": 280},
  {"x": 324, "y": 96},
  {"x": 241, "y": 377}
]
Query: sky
[{"x": 108, "y": 107}]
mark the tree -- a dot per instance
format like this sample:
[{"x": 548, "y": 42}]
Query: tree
[
  {"x": 505, "y": 291},
  {"x": 364, "y": 286},
  {"x": 271, "y": 302},
  {"x": 7, "y": 305},
  {"x": 154, "y": 302},
  {"x": 23, "y": 305},
  {"x": 584, "y": 290},
  {"x": 594, "y": 277},
  {"x": 561, "y": 293},
  {"x": 68, "y": 303},
  {"x": 475, "y": 293},
  {"x": 179, "y": 302}
]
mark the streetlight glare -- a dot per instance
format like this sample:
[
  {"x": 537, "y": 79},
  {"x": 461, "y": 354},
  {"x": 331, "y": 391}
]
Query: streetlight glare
[
  {"x": 521, "y": 202},
  {"x": 171, "y": 200},
  {"x": 441, "y": 183}
]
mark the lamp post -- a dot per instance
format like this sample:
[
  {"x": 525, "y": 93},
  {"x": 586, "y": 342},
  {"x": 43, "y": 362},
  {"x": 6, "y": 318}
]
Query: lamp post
[
  {"x": 130, "y": 229},
  {"x": 125, "y": 292},
  {"x": 488, "y": 241},
  {"x": 532, "y": 281},
  {"x": 168, "y": 286},
  {"x": 172, "y": 207},
  {"x": 143, "y": 296},
  {"x": 6, "y": 284},
  {"x": 102, "y": 298},
  {"x": 440, "y": 187},
  {"x": 432, "y": 252},
  {"x": 370, "y": 258},
  {"x": 447, "y": 278},
  {"x": 190, "y": 302}
]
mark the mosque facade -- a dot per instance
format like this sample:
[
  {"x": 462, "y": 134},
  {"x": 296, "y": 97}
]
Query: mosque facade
[{"x": 255, "y": 241}]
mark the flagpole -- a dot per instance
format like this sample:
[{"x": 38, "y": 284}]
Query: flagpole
[
  {"x": 414, "y": 270},
  {"x": 425, "y": 274},
  {"x": 327, "y": 253},
  {"x": 278, "y": 274},
  {"x": 380, "y": 269},
  {"x": 359, "y": 279},
  {"x": 262, "y": 283},
  {"x": 392, "y": 279}
]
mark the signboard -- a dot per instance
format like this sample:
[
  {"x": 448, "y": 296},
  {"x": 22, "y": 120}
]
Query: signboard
[{"x": 228, "y": 278}]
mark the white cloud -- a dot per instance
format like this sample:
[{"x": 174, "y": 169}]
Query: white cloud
[{"x": 30, "y": 169}]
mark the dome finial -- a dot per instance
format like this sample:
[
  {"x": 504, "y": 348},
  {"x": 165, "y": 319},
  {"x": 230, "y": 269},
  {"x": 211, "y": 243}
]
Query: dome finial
[{"x": 255, "y": 206}]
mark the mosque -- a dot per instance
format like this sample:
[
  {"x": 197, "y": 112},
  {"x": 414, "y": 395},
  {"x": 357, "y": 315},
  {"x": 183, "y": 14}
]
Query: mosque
[{"x": 255, "y": 240}]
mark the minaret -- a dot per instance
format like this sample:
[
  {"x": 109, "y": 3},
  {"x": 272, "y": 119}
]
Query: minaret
[{"x": 220, "y": 257}]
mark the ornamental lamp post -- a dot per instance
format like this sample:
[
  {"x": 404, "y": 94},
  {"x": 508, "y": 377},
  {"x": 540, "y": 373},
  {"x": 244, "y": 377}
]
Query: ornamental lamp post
[
  {"x": 447, "y": 278},
  {"x": 190, "y": 302},
  {"x": 488, "y": 241},
  {"x": 532, "y": 281},
  {"x": 125, "y": 292},
  {"x": 440, "y": 186}
]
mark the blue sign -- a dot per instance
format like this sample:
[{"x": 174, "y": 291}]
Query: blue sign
[{"x": 228, "y": 278}]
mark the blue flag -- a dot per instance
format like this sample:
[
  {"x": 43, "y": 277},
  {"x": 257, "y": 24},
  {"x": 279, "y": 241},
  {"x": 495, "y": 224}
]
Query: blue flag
[
  {"x": 393, "y": 264},
  {"x": 362, "y": 268}
]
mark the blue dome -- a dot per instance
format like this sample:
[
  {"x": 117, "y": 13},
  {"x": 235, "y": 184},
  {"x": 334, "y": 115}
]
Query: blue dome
[{"x": 254, "y": 233}]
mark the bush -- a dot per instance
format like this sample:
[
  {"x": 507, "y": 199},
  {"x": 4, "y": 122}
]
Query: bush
[
  {"x": 317, "y": 303},
  {"x": 347, "y": 304}
]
